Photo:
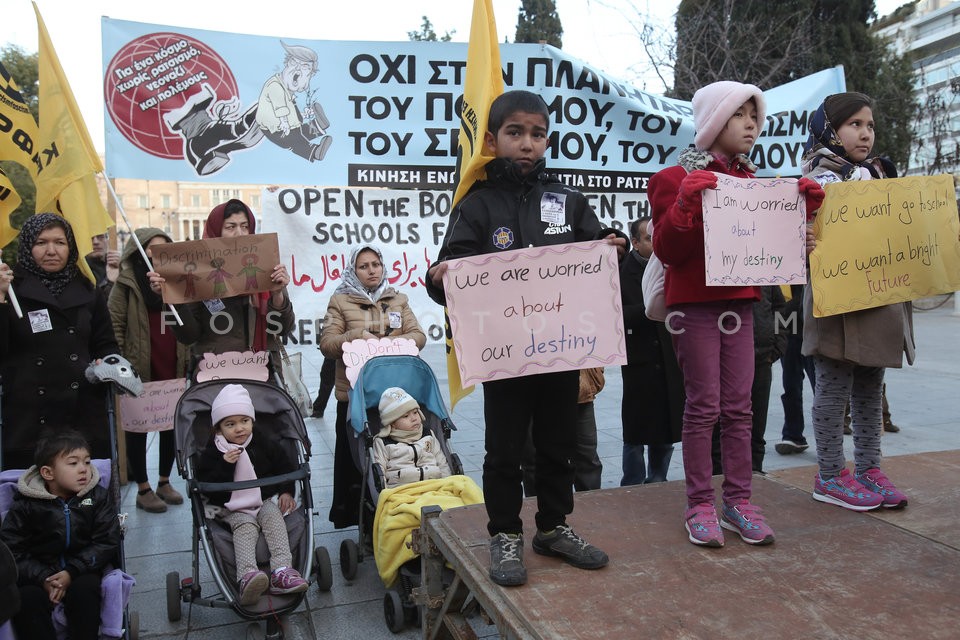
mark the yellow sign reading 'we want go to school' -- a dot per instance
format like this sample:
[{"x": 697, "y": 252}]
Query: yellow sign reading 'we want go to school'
[{"x": 884, "y": 241}]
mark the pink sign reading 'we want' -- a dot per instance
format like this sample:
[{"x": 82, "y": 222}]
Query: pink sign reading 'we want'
[{"x": 537, "y": 310}]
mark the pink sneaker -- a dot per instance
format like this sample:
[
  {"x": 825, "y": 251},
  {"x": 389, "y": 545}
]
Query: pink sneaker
[
  {"x": 286, "y": 580},
  {"x": 746, "y": 520},
  {"x": 252, "y": 586},
  {"x": 846, "y": 491},
  {"x": 702, "y": 526},
  {"x": 878, "y": 482}
]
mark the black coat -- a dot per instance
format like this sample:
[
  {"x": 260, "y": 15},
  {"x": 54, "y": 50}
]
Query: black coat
[
  {"x": 35, "y": 529},
  {"x": 653, "y": 396},
  {"x": 44, "y": 386},
  {"x": 267, "y": 456},
  {"x": 504, "y": 212},
  {"x": 769, "y": 337}
]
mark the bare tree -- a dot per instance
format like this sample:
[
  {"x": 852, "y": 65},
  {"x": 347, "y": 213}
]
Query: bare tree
[
  {"x": 765, "y": 43},
  {"x": 936, "y": 147}
]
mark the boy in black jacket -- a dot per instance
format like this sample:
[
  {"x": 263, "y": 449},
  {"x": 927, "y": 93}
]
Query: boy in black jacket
[
  {"x": 62, "y": 530},
  {"x": 519, "y": 206}
]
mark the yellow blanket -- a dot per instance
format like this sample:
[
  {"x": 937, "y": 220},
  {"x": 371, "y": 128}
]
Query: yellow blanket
[{"x": 398, "y": 514}]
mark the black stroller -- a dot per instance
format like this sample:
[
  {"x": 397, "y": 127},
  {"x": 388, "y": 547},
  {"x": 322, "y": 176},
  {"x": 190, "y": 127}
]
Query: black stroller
[
  {"x": 277, "y": 414},
  {"x": 417, "y": 379}
]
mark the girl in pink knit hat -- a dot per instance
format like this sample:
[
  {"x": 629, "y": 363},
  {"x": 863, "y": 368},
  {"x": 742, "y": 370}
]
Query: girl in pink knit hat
[
  {"x": 712, "y": 326},
  {"x": 233, "y": 455}
]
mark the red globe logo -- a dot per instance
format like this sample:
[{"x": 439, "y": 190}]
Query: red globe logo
[{"x": 155, "y": 74}]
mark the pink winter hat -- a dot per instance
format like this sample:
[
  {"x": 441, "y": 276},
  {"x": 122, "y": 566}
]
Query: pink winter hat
[
  {"x": 715, "y": 103},
  {"x": 233, "y": 400}
]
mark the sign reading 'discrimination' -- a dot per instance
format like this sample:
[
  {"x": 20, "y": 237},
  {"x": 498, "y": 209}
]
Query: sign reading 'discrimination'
[{"x": 537, "y": 310}]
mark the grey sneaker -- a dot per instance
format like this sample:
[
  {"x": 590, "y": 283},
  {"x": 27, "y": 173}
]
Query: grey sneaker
[
  {"x": 563, "y": 542},
  {"x": 506, "y": 560}
]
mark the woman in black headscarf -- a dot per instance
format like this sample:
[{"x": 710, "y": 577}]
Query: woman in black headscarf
[{"x": 44, "y": 354}]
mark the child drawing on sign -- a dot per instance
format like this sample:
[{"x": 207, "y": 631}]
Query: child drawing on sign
[
  {"x": 219, "y": 276},
  {"x": 190, "y": 280},
  {"x": 250, "y": 270}
]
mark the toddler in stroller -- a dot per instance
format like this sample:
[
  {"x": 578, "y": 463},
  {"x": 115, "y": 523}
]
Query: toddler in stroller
[
  {"x": 275, "y": 449},
  {"x": 407, "y": 463},
  {"x": 234, "y": 455}
]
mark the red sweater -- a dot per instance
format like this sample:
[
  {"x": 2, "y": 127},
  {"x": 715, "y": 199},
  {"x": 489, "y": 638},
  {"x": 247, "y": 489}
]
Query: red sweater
[{"x": 678, "y": 240}]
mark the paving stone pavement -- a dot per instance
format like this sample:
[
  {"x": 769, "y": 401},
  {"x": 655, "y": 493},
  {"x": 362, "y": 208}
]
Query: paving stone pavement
[{"x": 923, "y": 400}]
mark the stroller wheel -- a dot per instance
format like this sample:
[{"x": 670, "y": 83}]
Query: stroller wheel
[
  {"x": 349, "y": 554},
  {"x": 323, "y": 569},
  {"x": 393, "y": 611},
  {"x": 173, "y": 596}
]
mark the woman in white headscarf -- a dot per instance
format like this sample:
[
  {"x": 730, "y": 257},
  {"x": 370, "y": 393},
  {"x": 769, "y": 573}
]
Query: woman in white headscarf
[{"x": 363, "y": 306}]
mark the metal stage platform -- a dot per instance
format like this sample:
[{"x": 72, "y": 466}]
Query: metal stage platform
[{"x": 832, "y": 573}]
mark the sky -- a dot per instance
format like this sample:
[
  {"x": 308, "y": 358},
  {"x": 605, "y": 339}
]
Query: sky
[{"x": 602, "y": 33}]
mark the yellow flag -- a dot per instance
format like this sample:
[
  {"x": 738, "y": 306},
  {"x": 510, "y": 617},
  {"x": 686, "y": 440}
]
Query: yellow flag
[
  {"x": 9, "y": 201},
  {"x": 66, "y": 167},
  {"x": 19, "y": 142},
  {"x": 483, "y": 82}
]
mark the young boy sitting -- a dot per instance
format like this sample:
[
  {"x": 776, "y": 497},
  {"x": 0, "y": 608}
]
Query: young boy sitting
[
  {"x": 401, "y": 449},
  {"x": 520, "y": 205},
  {"x": 62, "y": 530}
]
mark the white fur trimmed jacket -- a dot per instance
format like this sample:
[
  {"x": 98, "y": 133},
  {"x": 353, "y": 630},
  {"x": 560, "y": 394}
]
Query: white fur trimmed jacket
[{"x": 406, "y": 462}]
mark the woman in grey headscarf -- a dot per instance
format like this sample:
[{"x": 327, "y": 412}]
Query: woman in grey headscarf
[{"x": 363, "y": 306}]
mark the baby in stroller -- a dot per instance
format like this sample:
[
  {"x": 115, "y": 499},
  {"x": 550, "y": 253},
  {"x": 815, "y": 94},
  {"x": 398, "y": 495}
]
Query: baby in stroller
[
  {"x": 401, "y": 449},
  {"x": 234, "y": 454}
]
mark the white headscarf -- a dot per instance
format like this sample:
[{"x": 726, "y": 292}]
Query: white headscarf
[{"x": 350, "y": 282}]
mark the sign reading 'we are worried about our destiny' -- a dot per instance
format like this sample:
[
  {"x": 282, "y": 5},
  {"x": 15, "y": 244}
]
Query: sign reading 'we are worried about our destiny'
[{"x": 536, "y": 310}]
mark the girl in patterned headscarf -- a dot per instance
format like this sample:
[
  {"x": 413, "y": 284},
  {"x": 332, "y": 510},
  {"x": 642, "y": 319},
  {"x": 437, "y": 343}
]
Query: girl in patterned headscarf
[
  {"x": 43, "y": 354},
  {"x": 851, "y": 351}
]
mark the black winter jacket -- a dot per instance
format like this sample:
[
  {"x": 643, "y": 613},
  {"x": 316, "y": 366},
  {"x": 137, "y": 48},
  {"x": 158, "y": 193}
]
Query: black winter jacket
[
  {"x": 48, "y": 534},
  {"x": 267, "y": 456},
  {"x": 44, "y": 386},
  {"x": 510, "y": 211}
]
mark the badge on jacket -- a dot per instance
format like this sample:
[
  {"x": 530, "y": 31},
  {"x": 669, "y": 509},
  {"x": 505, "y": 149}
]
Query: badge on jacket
[
  {"x": 395, "y": 320},
  {"x": 502, "y": 238},
  {"x": 552, "y": 208},
  {"x": 40, "y": 321}
]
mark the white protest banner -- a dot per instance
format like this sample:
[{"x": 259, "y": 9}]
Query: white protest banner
[
  {"x": 536, "y": 310},
  {"x": 754, "y": 232},
  {"x": 357, "y": 352},
  {"x": 191, "y": 104},
  {"x": 234, "y": 364},
  {"x": 154, "y": 408}
]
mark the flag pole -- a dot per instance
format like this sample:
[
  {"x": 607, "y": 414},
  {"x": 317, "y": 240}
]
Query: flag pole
[{"x": 136, "y": 240}]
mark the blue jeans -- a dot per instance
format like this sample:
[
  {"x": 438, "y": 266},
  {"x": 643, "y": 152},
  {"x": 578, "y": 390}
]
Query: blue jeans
[{"x": 635, "y": 471}]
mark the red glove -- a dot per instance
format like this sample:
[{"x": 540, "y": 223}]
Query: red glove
[
  {"x": 814, "y": 194},
  {"x": 690, "y": 198}
]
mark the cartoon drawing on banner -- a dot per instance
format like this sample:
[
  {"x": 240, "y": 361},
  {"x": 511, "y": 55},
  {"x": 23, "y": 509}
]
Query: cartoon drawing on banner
[
  {"x": 219, "y": 277},
  {"x": 250, "y": 270},
  {"x": 189, "y": 280},
  {"x": 211, "y": 130}
]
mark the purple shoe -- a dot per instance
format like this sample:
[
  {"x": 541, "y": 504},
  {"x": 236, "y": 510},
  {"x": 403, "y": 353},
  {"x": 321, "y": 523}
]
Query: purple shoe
[
  {"x": 702, "y": 526},
  {"x": 286, "y": 580},
  {"x": 746, "y": 520},
  {"x": 846, "y": 491},
  {"x": 877, "y": 481},
  {"x": 252, "y": 586}
]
